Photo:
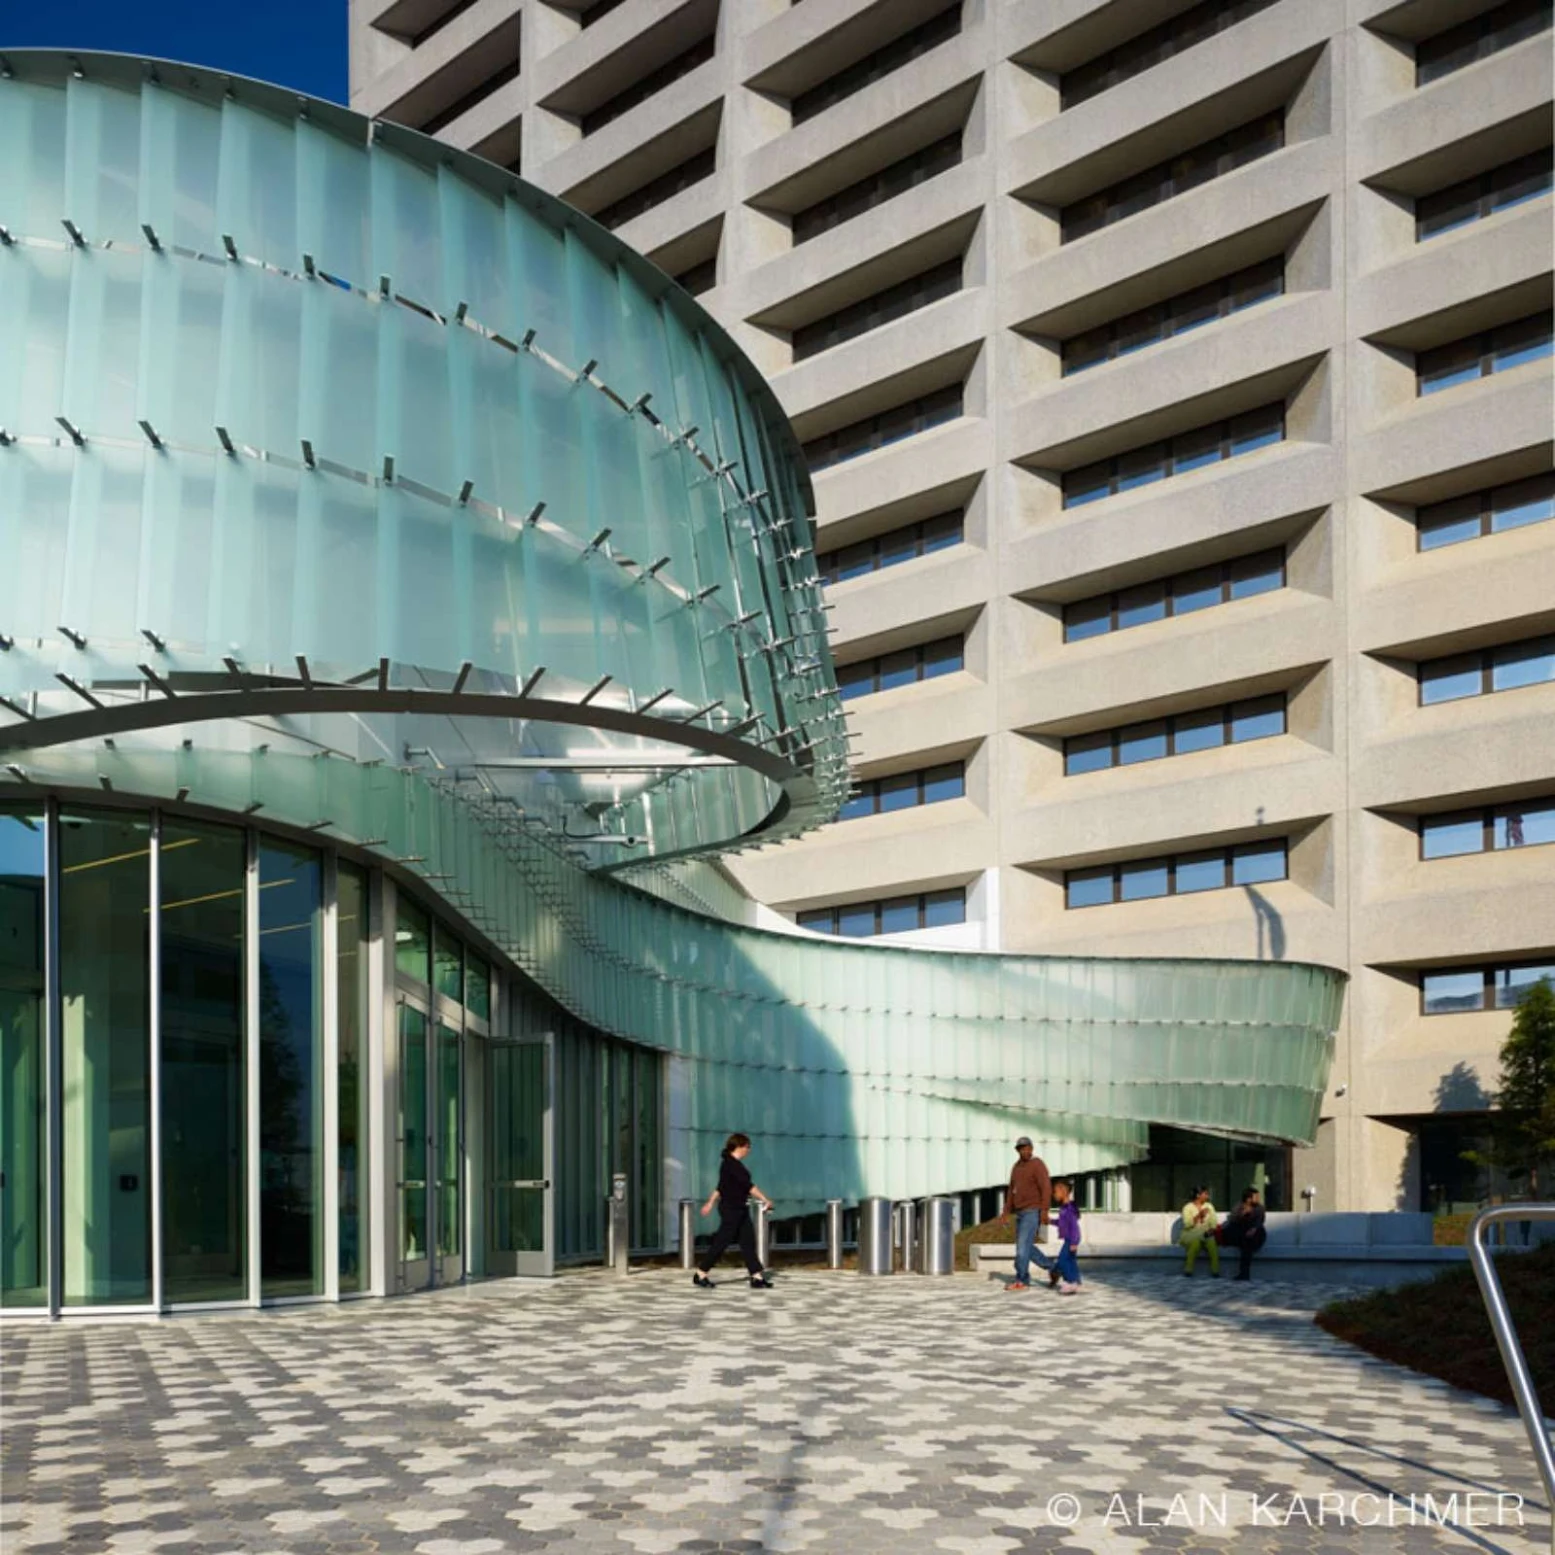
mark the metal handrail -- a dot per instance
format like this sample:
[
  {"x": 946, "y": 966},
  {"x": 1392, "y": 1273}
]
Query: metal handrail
[{"x": 1506, "y": 1339}]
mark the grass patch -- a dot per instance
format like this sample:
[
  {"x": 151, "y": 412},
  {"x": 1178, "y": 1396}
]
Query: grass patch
[
  {"x": 990, "y": 1231},
  {"x": 1439, "y": 1326}
]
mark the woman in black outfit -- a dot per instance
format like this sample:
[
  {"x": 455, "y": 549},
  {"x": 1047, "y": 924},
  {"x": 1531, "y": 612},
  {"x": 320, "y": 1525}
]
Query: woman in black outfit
[{"x": 733, "y": 1194}]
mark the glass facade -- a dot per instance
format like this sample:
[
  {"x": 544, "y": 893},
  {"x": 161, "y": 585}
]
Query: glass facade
[{"x": 432, "y": 571}]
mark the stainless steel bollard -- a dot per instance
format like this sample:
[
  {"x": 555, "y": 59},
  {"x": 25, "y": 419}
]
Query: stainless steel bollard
[
  {"x": 906, "y": 1232},
  {"x": 763, "y": 1235},
  {"x": 688, "y": 1233},
  {"x": 834, "y": 1233},
  {"x": 937, "y": 1237},
  {"x": 874, "y": 1236},
  {"x": 618, "y": 1226}
]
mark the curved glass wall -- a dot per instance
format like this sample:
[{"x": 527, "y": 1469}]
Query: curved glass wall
[{"x": 376, "y": 520}]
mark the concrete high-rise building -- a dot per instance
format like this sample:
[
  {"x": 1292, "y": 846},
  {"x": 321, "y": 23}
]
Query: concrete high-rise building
[{"x": 1175, "y": 379}]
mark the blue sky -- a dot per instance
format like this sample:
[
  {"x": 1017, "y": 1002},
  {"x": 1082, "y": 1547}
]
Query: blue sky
[{"x": 296, "y": 43}]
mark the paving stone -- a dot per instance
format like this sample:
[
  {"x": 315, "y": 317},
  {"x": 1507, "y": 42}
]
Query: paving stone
[{"x": 592, "y": 1416}]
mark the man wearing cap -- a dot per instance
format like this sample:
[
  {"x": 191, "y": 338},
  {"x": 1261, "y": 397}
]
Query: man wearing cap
[{"x": 1029, "y": 1195}]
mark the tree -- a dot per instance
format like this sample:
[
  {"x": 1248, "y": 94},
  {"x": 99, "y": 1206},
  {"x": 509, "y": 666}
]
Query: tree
[{"x": 1522, "y": 1127}]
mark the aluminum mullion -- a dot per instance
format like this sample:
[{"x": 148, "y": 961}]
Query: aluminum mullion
[
  {"x": 54, "y": 1068},
  {"x": 154, "y": 1042},
  {"x": 251, "y": 1050},
  {"x": 330, "y": 1163}
]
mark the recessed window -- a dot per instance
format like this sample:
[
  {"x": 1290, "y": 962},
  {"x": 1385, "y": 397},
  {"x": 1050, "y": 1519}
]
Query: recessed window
[
  {"x": 1180, "y": 595},
  {"x": 1151, "y": 48},
  {"x": 1479, "y": 38},
  {"x": 888, "y": 550},
  {"x": 1486, "y": 512},
  {"x": 1461, "y": 989},
  {"x": 1483, "y": 355},
  {"x": 1176, "y": 316},
  {"x": 699, "y": 278},
  {"x": 1250, "y": 863},
  {"x": 656, "y": 191},
  {"x": 893, "y": 915},
  {"x": 904, "y": 667},
  {"x": 1175, "y": 176},
  {"x": 885, "y": 307},
  {"x": 876, "y": 189},
  {"x": 1528, "y": 823},
  {"x": 1257, "y": 718},
  {"x": 889, "y": 426},
  {"x": 1507, "y": 668},
  {"x": 1175, "y": 456},
  {"x": 889, "y": 57},
  {"x": 906, "y": 790},
  {"x": 1483, "y": 195},
  {"x": 648, "y": 86}
]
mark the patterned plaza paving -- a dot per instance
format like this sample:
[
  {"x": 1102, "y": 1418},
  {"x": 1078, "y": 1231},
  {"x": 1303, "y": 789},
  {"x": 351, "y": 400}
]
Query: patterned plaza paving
[{"x": 831, "y": 1414}]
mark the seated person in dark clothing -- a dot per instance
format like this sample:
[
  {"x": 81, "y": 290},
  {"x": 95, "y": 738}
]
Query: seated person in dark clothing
[{"x": 1244, "y": 1230}]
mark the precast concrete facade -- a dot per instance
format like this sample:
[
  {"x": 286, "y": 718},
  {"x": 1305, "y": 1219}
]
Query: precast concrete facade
[{"x": 1238, "y": 647}]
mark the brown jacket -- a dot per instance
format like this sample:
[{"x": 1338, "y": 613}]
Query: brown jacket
[{"x": 1030, "y": 1186}]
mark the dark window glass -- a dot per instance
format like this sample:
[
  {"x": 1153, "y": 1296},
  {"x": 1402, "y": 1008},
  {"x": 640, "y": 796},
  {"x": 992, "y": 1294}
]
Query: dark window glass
[
  {"x": 889, "y": 57},
  {"x": 699, "y": 278},
  {"x": 1142, "y": 742},
  {"x": 1513, "y": 982},
  {"x": 498, "y": 78},
  {"x": 856, "y": 805},
  {"x": 1088, "y": 753},
  {"x": 1088, "y": 887},
  {"x": 857, "y": 921},
  {"x": 947, "y": 782},
  {"x": 1180, "y": 595},
  {"x": 884, "y": 307},
  {"x": 1473, "y": 199},
  {"x": 899, "y": 915},
  {"x": 666, "y": 186},
  {"x": 900, "y": 668},
  {"x": 1138, "y": 879},
  {"x": 1258, "y": 862},
  {"x": 648, "y": 86},
  {"x": 1479, "y": 38},
  {"x": 895, "y": 915},
  {"x": 1176, "y": 456},
  {"x": 1444, "y": 836},
  {"x": 1447, "y": 993},
  {"x": 1200, "y": 872},
  {"x": 819, "y": 919},
  {"x": 890, "y": 426},
  {"x": 1176, "y": 176},
  {"x": 1486, "y": 512},
  {"x": 879, "y": 187},
  {"x": 1175, "y": 316},
  {"x": 942, "y": 908},
  {"x": 1198, "y": 731},
  {"x": 887, "y": 550},
  {"x": 1144, "y": 603},
  {"x": 1446, "y": 680},
  {"x": 1138, "y": 882},
  {"x": 1257, "y": 719},
  {"x": 1480, "y": 356}
]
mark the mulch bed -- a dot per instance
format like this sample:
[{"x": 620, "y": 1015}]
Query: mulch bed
[{"x": 1439, "y": 1326}]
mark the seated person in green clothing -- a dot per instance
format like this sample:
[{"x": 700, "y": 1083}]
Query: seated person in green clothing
[{"x": 1199, "y": 1219}]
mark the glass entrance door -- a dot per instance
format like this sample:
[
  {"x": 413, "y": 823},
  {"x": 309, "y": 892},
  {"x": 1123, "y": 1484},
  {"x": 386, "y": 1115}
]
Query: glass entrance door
[
  {"x": 519, "y": 1222},
  {"x": 431, "y": 1150}
]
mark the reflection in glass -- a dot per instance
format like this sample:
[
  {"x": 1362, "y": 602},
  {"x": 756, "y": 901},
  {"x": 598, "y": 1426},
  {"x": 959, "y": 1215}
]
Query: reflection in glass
[
  {"x": 412, "y": 940},
  {"x": 1515, "y": 982},
  {"x": 450, "y": 1146},
  {"x": 104, "y": 906},
  {"x": 351, "y": 994},
  {"x": 1200, "y": 872},
  {"x": 477, "y": 987},
  {"x": 1258, "y": 862},
  {"x": 291, "y": 1090},
  {"x": 1442, "y": 836},
  {"x": 1527, "y": 825},
  {"x": 204, "y": 1065},
  {"x": 1137, "y": 882},
  {"x": 413, "y": 1134},
  {"x": 448, "y": 965},
  {"x": 1444, "y": 993},
  {"x": 23, "y": 1196}
]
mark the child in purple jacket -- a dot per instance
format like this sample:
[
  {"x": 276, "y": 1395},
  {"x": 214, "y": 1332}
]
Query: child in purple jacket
[{"x": 1066, "y": 1266}]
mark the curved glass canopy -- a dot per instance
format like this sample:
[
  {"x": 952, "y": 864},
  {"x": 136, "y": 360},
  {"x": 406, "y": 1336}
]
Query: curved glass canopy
[{"x": 348, "y": 481}]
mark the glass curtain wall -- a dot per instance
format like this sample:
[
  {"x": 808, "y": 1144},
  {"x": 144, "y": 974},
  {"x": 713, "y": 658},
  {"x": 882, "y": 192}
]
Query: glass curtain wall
[
  {"x": 204, "y": 1079},
  {"x": 23, "y": 1163},
  {"x": 291, "y": 1065},
  {"x": 105, "y": 1023}
]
